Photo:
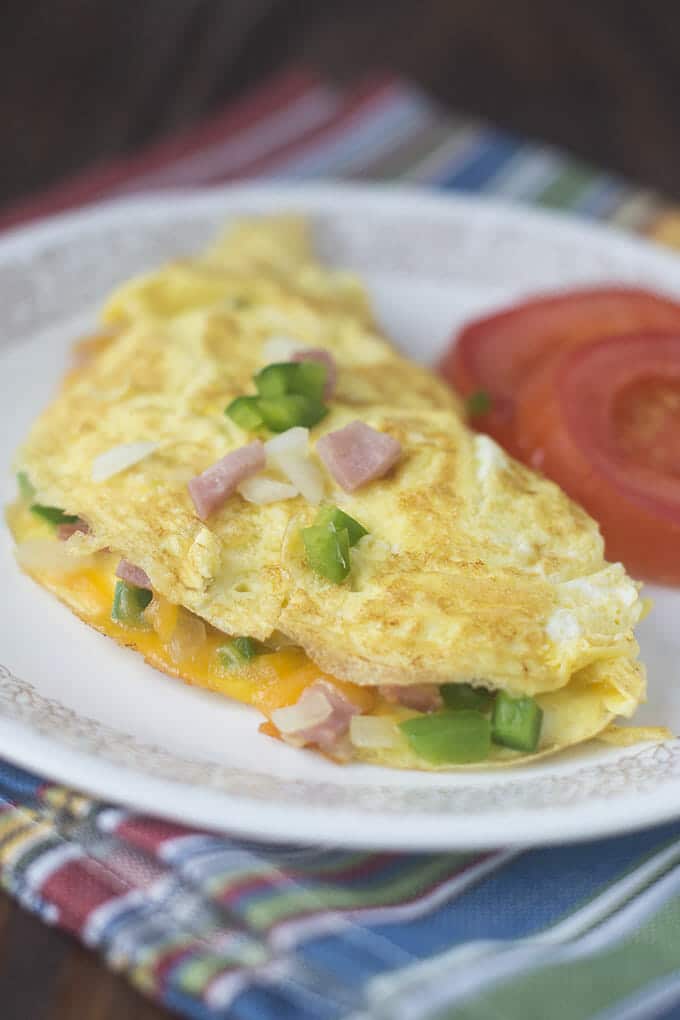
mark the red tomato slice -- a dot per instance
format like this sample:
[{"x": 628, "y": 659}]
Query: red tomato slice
[
  {"x": 501, "y": 353},
  {"x": 612, "y": 441}
]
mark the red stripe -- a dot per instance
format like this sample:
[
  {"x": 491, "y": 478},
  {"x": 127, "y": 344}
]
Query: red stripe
[
  {"x": 167, "y": 963},
  {"x": 149, "y": 834},
  {"x": 357, "y": 105},
  {"x": 78, "y": 888},
  {"x": 275, "y": 94}
]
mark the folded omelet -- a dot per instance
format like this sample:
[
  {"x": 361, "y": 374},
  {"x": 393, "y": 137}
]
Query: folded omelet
[{"x": 475, "y": 620}]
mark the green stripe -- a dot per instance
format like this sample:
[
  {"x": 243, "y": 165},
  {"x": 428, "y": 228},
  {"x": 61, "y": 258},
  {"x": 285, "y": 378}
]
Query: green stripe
[
  {"x": 403, "y": 157},
  {"x": 567, "y": 187},
  {"x": 221, "y": 883},
  {"x": 577, "y": 989},
  {"x": 282, "y": 904}
]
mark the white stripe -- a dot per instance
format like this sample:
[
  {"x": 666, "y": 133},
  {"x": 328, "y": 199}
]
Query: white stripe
[
  {"x": 110, "y": 819},
  {"x": 368, "y": 132},
  {"x": 223, "y": 990},
  {"x": 647, "y": 1002},
  {"x": 527, "y": 173},
  {"x": 99, "y": 918},
  {"x": 238, "y": 150},
  {"x": 40, "y": 870},
  {"x": 431, "y": 984},
  {"x": 288, "y": 934},
  {"x": 170, "y": 849},
  {"x": 450, "y": 154}
]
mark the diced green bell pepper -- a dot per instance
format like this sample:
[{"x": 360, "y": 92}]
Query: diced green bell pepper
[
  {"x": 327, "y": 551},
  {"x": 516, "y": 722},
  {"x": 238, "y": 652},
  {"x": 449, "y": 738},
  {"x": 53, "y": 515},
  {"x": 478, "y": 403},
  {"x": 333, "y": 515},
  {"x": 285, "y": 412},
  {"x": 309, "y": 379},
  {"x": 26, "y": 490},
  {"x": 305, "y": 378},
  {"x": 245, "y": 411},
  {"x": 129, "y": 603},
  {"x": 466, "y": 696}
]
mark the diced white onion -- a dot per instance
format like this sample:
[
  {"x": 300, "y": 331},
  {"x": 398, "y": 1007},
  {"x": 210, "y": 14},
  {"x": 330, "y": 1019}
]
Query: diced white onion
[
  {"x": 48, "y": 554},
  {"x": 288, "y": 453},
  {"x": 266, "y": 490},
  {"x": 312, "y": 708},
  {"x": 280, "y": 348},
  {"x": 373, "y": 732},
  {"x": 188, "y": 637},
  {"x": 304, "y": 475},
  {"x": 119, "y": 458},
  {"x": 295, "y": 440}
]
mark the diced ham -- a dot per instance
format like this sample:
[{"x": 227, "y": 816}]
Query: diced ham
[
  {"x": 358, "y": 454},
  {"x": 421, "y": 697},
  {"x": 213, "y": 487},
  {"x": 64, "y": 531},
  {"x": 327, "y": 359},
  {"x": 127, "y": 571},
  {"x": 328, "y": 733}
]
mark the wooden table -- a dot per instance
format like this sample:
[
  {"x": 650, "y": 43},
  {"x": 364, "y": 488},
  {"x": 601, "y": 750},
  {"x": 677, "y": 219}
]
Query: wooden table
[{"x": 82, "y": 79}]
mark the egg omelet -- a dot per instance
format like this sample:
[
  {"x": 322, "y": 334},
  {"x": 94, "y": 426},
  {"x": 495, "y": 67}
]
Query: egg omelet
[{"x": 476, "y": 577}]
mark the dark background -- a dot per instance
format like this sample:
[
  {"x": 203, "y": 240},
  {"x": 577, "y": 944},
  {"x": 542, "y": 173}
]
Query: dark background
[{"x": 83, "y": 79}]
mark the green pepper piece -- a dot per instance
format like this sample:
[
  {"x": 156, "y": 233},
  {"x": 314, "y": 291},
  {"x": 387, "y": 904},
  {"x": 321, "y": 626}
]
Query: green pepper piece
[
  {"x": 309, "y": 379},
  {"x": 449, "y": 738},
  {"x": 129, "y": 603},
  {"x": 26, "y": 490},
  {"x": 53, "y": 515},
  {"x": 327, "y": 551},
  {"x": 516, "y": 722},
  {"x": 245, "y": 412},
  {"x": 291, "y": 409},
  {"x": 466, "y": 696},
  {"x": 277, "y": 379},
  {"x": 477, "y": 404},
  {"x": 337, "y": 518},
  {"x": 238, "y": 652}
]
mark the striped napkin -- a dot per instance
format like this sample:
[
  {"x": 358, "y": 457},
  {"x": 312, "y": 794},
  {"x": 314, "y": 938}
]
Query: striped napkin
[{"x": 212, "y": 926}]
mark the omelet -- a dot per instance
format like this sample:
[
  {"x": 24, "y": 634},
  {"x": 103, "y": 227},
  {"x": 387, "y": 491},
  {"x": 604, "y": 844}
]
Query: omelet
[{"x": 475, "y": 620}]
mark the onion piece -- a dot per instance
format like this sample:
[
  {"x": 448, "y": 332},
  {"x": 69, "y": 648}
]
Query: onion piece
[
  {"x": 266, "y": 490},
  {"x": 295, "y": 440},
  {"x": 288, "y": 452},
  {"x": 309, "y": 711},
  {"x": 280, "y": 348},
  {"x": 119, "y": 458},
  {"x": 54, "y": 557},
  {"x": 304, "y": 475},
  {"x": 163, "y": 616},
  {"x": 373, "y": 732},
  {"x": 188, "y": 637}
]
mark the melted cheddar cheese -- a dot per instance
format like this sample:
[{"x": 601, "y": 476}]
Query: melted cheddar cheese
[{"x": 270, "y": 681}]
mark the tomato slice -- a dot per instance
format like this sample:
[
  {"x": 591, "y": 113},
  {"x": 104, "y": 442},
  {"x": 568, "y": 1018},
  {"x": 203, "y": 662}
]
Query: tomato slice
[
  {"x": 502, "y": 353},
  {"x": 612, "y": 441}
]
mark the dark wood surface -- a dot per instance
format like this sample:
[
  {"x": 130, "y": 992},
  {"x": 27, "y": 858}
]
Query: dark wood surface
[{"x": 84, "y": 79}]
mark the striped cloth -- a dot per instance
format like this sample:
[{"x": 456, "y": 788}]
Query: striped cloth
[{"x": 217, "y": 927}]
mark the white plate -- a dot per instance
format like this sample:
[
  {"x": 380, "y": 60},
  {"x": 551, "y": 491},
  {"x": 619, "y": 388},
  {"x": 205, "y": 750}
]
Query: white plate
[{"x": 76, "y": 707}]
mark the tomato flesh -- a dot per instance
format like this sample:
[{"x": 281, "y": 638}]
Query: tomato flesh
[
  {"x": 612, "y": 441},
  {"x": 506, "y": 353}
]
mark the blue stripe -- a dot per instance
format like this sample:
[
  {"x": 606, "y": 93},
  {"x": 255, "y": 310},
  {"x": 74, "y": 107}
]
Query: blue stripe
[
  {"x": 527, "y": 895},
  {"x": 484, "y": 164},
  {"x": 17, "y": 784}
]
